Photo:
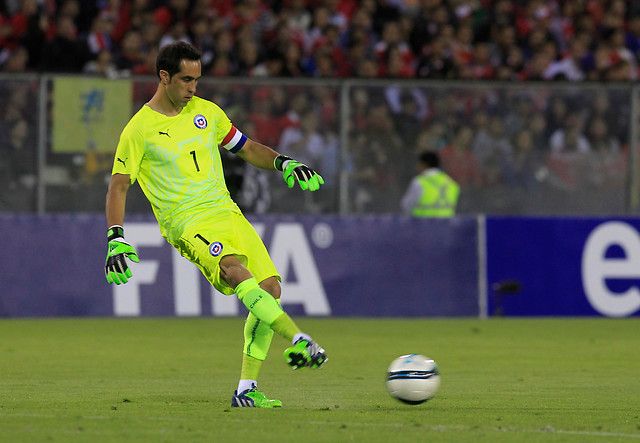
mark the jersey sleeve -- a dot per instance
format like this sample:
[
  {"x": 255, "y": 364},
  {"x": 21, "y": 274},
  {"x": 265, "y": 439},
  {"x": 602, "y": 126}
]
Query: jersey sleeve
[
  {"x": 129, "y": 152},
  {"x": 229, "y": 137}
]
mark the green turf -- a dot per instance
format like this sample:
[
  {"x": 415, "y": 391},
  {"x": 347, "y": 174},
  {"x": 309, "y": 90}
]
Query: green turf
[{"x": 171, "y": 380}]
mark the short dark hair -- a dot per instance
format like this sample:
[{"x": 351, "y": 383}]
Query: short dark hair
[
  {"x": 171, "y": 55},
  {"x": 429, "y": 159}
]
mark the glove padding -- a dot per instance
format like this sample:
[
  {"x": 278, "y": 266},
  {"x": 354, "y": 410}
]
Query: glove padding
[
  {"x": 307, "y": 178},
  {"x": 116, "y": 269}
]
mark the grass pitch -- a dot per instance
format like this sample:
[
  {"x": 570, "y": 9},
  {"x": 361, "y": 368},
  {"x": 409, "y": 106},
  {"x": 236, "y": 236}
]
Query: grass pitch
[{"x": 510, "y": 380}]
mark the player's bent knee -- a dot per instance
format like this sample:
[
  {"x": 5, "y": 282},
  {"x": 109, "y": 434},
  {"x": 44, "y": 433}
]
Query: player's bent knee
[
  {"x": 272, "y": 286},
  {"x": 232, "y": 271}
]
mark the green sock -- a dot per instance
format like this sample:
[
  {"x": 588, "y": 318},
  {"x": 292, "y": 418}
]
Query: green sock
[
  {"x": 250, "y": 367},
  {"x": 257, "y": 340},
  {"x": 258, "y": 301},
  {"x": 285, "y": 326},
  {"x": 257, "y": 337}
]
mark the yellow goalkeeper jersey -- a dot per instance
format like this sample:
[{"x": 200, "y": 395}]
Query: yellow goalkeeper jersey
[{"x": 177, "y": 162}]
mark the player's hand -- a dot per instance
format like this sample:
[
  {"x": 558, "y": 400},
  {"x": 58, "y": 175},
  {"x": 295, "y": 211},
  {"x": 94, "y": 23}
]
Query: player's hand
[
  {"x": 115, "y": 268},
  {"x": 293, "y": 171}
]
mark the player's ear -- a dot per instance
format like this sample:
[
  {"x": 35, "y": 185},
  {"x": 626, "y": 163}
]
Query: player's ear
[{"x": 165, "y": 78}]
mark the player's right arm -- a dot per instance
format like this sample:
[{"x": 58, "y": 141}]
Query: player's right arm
[
  {"x": 116, "y": 269},
  {"x": 116, "y": 198}
]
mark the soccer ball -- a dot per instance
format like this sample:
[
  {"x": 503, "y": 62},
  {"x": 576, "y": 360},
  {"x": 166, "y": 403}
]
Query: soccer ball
[{"x": 413, "y": 378}]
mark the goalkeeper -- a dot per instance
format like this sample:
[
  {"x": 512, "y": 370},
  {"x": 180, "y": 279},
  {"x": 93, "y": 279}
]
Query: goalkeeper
[{"x": 170, "y": 146}]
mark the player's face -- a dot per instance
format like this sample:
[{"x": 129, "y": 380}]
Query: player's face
[{"x": 182, "y": 86}]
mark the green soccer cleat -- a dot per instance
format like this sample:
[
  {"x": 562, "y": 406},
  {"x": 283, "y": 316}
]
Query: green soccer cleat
[
  {"x": 305, "y": 353},
  {"x": 252, "y": 398}
]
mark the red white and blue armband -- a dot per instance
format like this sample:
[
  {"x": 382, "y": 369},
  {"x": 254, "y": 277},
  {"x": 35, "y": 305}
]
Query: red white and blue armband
[{"x": 234, "y": 141}]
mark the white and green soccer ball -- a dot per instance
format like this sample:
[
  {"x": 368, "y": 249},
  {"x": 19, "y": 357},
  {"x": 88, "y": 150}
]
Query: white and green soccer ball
[{"x": 413, "y": 378}]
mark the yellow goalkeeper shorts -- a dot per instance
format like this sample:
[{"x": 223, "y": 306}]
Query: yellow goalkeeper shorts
[{"x": 227, "y": 233}]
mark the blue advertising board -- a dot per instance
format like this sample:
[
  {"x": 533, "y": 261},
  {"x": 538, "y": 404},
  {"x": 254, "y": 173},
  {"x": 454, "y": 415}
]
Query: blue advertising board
[
  {"x": 373, "y": 266},
  {"x": 565, "y": 266}
]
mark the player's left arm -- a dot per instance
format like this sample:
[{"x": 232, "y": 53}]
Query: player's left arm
[
  {"x": 264, "y": 157},
  {"x": 257, "y": 154}
]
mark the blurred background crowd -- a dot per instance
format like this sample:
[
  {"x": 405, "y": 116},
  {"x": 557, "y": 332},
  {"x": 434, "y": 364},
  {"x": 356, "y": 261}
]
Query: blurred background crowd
[
  {"x": 433, "y": 39},
  {"x": 547, "y": 131}
]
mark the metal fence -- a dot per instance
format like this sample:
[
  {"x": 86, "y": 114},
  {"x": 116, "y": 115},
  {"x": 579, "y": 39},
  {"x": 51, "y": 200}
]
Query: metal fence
[{"x": 515, "y": 148}]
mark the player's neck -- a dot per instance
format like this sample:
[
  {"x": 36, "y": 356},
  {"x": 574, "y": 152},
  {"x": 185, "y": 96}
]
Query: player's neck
[{"x": 160, "y": 103}]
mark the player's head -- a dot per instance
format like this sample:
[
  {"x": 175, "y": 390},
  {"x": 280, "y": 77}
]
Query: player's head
[
  {"x": 429, "y": 159},
  {"x": 179, "y": 69},
  {"x": 170, "y": 57}
]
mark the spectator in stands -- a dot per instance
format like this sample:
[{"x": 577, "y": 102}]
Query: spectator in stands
[
  {"x": 395, "y": 66},
  {"x": 573, "y": 65},
  {"x": 151, "y": 33},
  {"x": 538, "y": 127},
  {"x": 248, "y": 59},
  {"x": 297, "y": 16},
  {"x": 262, "y": 116},
  {"x": 632, "y": 38},
  {"x": 519, "y": 112},
  {"x": 601, "y": 107},
  {"x": 330, "y": 43},
  {"x": 148, "y": 64},
  {"x": 340, "y": 13},
  {"x": 430, "y": 18},
  {"x": 609, "y": 162},
  {"x": 600, "y": 139},
  {"x": 461, "y": 46},
  {"x": 99, "y": 38},
  {"x": 482, "y": 66},
  {"x": 17, "y": 60},
  {"x": 177, "y": 32},
  {"x": 21, "y": 156},
  {"x": 436, "y": 61},
  {"x": 617, "y": 56},
  {"x": 494, "y": 151},
  {"x": 255, "y": 14},
  {"x": 459, "y": 161},
  {"x": 102, "y": 65},
  {"x": 527, "y": 162},
  {"x": 570, "y": 137},
  {"x": 65, "y": 52},
  {"x": 29, "y": 31},
  {"x": 409, "y": 110},
  {"x": 304, "y": 141},
  {"x": 130, "y": 54},
  {"x": 172, "y": 12},
  {"x": 391, "y": 41},
  {"x": 204, "y": 39},
  {"x": 556, "y": 113},
  {"x": 432, "y": 137},
  {"x": 315, "y": 31},
  {"x": 506, "y": 40},
  {"x": 293, "y": 65}
]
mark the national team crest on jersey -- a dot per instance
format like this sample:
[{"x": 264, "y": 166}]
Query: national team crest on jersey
[
  {"x": 215, "y": 248},
  {"x": 200, "y": 121}
]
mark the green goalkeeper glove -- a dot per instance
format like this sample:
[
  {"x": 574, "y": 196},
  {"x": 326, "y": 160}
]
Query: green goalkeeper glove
[
  {"x": 115, "y": 268},
  {"x": 293, "y": 170}
]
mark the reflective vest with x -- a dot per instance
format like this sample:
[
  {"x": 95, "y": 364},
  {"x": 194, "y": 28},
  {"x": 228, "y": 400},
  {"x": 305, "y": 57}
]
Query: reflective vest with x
[{"x": 439, "y": 196}]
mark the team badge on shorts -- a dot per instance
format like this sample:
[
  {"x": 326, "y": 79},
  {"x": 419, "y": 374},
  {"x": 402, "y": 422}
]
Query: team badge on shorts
[
  {"x": 215, "y": 248},
  {"x": 200, "y": 121}
]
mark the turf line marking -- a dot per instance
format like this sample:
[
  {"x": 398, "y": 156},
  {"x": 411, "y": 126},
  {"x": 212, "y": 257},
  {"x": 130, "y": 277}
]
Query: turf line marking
[
  {"x": 586, "y": 433},
  {"x": 436, "y": 428}
]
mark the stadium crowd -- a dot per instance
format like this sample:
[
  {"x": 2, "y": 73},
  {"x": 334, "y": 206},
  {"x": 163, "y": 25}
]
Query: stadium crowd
[
  {"x": 435, "y": 39},
  {"x": 498, "y": 143}
]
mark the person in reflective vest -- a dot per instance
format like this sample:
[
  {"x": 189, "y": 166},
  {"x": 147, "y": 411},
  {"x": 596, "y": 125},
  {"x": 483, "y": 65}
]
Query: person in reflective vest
[{"x": 432, "y": 193}]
